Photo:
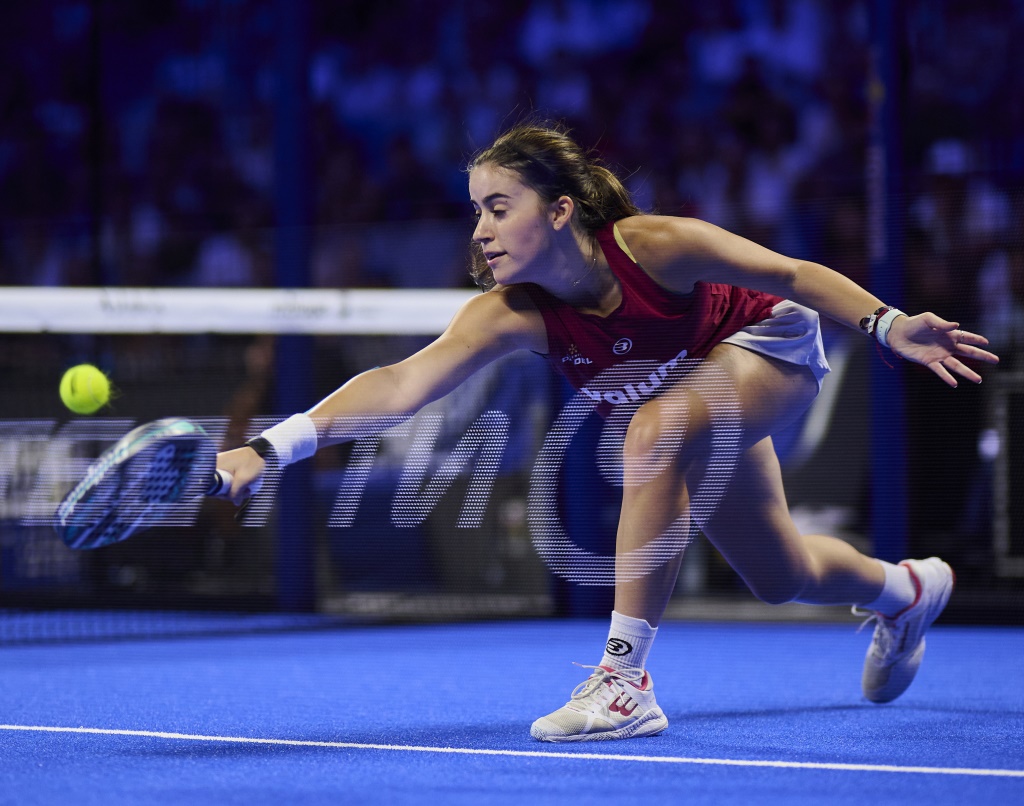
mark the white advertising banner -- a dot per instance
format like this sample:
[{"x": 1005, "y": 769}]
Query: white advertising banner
[{"x": 224, "y": 310}]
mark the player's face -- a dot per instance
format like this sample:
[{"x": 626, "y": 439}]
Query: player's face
[{"x": 513, "y": 225}]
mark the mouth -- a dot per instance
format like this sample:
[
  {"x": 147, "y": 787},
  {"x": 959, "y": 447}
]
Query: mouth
[{"x": 490, "y": 257}]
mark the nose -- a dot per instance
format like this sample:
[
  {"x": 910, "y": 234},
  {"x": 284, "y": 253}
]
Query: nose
[{"x": 482, "y": 232}]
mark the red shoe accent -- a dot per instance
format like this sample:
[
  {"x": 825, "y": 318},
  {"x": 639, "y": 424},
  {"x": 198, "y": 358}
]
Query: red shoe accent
[
  {"x": 626, "y": 706},
  {"x": 917, "y": 593}
]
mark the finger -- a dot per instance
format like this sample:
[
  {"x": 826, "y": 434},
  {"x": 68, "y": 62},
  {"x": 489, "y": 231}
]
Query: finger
[
  {"x": 244, "y": 493},
  {"x": 960, "y": 337},
  {"x": 966, "y": 340},
  {"x": 961, "y": 369},
  {"x": 966, "y": 337},
  {"x": 967, "y": 351},
  {"x": 938, "y": 323},
  {"x": 940, "y": 370}
]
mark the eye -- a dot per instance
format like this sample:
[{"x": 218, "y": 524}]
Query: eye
[{"x": 499, "y": 213}]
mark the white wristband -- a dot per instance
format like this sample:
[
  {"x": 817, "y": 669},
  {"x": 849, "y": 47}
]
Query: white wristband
[
  {"x": 884, "y": 323},
  {"x": 293, "y": 440}
]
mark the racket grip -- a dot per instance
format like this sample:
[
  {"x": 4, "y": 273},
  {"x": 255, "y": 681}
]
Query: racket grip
[{"x": 220, "y": 483}]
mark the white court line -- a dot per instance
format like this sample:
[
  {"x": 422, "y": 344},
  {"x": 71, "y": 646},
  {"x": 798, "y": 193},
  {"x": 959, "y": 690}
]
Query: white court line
[{"x": 471, "y": 751}]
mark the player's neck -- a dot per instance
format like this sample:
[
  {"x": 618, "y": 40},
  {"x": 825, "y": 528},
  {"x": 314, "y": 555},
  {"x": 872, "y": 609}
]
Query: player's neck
[{"x": 596, "y": 290}]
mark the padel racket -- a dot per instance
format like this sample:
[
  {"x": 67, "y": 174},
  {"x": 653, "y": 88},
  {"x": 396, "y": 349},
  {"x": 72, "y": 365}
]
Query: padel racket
[{"x": 131, "y": 485}]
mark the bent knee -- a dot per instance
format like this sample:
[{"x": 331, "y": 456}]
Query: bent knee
[
  {"x": 775, "y": 595},
  {"x": 662, "y": 425},
  {"x": 781, "y": 588}
]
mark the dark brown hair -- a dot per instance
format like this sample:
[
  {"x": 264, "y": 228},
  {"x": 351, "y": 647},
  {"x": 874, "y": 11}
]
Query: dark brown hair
[{"x": 552, "y": 164}]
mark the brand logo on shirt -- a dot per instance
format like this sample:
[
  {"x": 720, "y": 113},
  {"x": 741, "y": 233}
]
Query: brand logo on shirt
[
  {"x": 622, "y": 346},
  {"x": 635, "y": 392},
  {"x": 575, "y": 358}
]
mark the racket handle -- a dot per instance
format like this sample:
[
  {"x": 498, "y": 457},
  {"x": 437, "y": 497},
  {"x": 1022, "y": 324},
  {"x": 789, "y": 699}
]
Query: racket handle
[{"x": 220, "y": 483}]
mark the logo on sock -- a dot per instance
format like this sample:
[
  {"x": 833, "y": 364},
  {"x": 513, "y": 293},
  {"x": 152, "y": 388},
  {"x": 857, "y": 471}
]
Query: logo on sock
[{"x": 616, "y": 646}]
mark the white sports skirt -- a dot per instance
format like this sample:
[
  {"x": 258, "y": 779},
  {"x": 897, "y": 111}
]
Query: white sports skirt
[{"x": 792, "y": 334}]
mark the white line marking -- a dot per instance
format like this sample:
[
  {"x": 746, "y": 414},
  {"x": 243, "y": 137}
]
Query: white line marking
[{"x": 471, "y": 751}]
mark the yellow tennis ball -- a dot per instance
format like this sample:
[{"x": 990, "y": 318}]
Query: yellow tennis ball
[{"x": 84, "y": 389}]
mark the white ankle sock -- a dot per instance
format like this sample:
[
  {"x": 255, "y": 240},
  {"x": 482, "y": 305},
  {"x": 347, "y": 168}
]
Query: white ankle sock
[
  {"x": 898, "y": 593},
  {"x": 629, "y": 642}
]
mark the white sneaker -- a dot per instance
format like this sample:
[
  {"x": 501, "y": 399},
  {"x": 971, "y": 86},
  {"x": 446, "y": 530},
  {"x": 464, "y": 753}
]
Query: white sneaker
[
  {"x": 898, "y": 644},
  {"x": 609, "y": 704}
]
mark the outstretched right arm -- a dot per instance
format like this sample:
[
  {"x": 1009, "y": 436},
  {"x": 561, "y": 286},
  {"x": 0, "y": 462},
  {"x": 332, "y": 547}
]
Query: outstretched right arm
[{"x": 485, "y": 328}]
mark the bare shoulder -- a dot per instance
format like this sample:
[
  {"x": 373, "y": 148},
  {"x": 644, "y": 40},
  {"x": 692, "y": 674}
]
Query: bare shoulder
[
  {"x": 678, "y": 252},
  {"x": 505, "y": 317},
  {"x": 667, "y": 247},
  {"x": 655, "y": 239}
]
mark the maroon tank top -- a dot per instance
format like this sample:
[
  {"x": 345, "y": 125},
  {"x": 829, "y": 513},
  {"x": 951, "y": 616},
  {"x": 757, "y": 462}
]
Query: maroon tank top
[{"x": 651, "y": 324}]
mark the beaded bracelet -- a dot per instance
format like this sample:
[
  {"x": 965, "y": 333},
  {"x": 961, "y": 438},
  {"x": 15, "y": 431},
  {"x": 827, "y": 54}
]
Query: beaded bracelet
[{"x": 877, "y": 325}]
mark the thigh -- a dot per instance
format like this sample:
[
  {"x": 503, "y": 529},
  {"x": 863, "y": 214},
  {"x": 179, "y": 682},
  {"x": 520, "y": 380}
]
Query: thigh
[
  {"x": 742, "y": 389},
  {"x": 750, "y": 524},
  {"x": 771, "y": 393}
]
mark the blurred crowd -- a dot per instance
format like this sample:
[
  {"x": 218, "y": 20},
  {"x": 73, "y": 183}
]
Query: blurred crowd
[{"x": 137, "y": 142}]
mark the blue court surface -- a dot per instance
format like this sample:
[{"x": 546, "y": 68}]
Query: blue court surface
[{"x": 759, "y": 713}]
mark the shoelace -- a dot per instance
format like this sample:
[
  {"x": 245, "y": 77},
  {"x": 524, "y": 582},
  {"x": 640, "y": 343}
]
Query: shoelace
[
  {"x": 600, "y": 675},
  {"x": 885, "y": 629}
]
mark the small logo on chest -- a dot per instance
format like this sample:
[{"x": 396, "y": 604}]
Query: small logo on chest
[
  {"x": 622, "y": 346},
  {"x": 575, "y": 358}
]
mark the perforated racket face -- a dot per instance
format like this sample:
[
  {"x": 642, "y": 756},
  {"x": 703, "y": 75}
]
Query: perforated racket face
[{"x": 125, "y": 489}]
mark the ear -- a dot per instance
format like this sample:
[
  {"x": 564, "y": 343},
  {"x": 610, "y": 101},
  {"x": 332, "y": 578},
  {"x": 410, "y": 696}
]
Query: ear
[{"x": 560, "y": 211}]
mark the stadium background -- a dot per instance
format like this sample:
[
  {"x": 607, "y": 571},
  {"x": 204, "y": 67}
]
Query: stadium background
[{"x": 247, "y": 144}]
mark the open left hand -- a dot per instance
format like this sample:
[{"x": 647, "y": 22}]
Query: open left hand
[{"x": 939, "y": 345}]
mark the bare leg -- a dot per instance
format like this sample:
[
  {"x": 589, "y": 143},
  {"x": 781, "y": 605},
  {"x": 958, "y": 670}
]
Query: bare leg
[
  {"x": 754, "y": 532},
  {"x": 670, "y": 449},
  {"x": 751, "y": 525}
]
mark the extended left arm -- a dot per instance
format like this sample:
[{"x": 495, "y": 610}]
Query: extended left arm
[{"x": 681, "y": 251}]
